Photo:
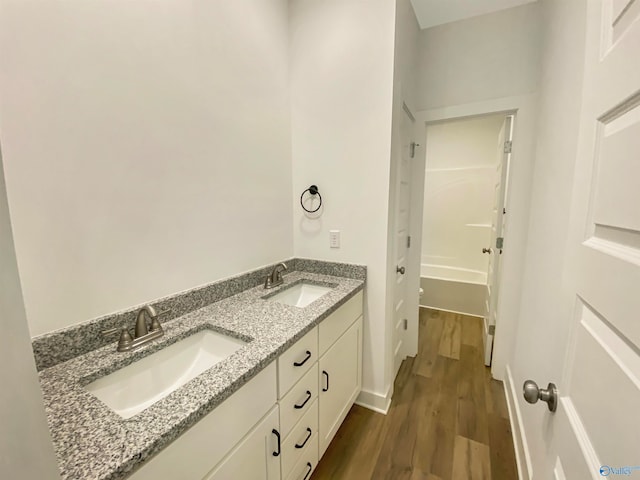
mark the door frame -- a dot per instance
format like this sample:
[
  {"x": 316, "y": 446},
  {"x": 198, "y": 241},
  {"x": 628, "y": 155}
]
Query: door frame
[{"x": 519, "y": 185}]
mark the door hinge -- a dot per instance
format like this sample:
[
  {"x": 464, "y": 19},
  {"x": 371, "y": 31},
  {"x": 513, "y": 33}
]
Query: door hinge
[
  {"x": 492, "y": 329},
  {"x": 405, "y": 323},
  {"x": 508, "y": 145},
  {"x": 408, "y": 241},
  {"x": 500, "y": 242}
]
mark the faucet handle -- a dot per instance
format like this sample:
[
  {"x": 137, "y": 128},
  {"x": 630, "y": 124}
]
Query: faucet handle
[
  {"x": 112, "y": 331},
  {"x": 125, "y": 339},
  {"x": 125, "y": 336},
  {"x": 155, "y": 325}
]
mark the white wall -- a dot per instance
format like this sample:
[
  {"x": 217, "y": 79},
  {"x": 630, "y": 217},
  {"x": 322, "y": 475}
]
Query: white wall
[
  {"x": 341, "y": 89},
  {"x": 460, "y": 177},
  {"x": 25, "y": 445},
  {"x": 437, "y": 12},
  {"x": 490, "y": 56},
  {"x": 545, "y": 313},
  {"x": 147, "y": 147}
]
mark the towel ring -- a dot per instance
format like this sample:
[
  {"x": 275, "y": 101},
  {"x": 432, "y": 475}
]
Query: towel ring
[{"x": 313, "y": 190}]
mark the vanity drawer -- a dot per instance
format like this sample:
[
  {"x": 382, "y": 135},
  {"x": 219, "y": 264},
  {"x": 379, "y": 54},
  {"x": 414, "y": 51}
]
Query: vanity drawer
[
  {"x": 297, "y": 361},
  {"x": 307, "y": 463},
  {"x": 299, "y": 400},
  {"x": 338, "y": 322},
  {"x": 299, "y": 440}
]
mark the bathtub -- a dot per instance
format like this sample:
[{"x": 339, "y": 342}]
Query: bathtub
[{"x": 453, "y": 289}]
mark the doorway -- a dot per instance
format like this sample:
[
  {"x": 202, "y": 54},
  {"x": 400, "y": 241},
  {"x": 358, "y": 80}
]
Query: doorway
[{"x": 464, "y": 215}]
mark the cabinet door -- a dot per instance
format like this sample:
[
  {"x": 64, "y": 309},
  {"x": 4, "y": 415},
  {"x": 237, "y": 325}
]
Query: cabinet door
[
  {"x": 256, "y": 457},
  {"x": 340, "y": 382},
  {"x": 194, "y": 453}
]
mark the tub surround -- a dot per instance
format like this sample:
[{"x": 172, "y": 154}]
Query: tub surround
[
  {"x": 93, "y": 442},
  {"x": 62, "y": 345}
]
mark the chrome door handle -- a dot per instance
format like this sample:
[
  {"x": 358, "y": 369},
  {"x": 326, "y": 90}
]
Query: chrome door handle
[
  {"x": 400, "y": 270},
  {"x": 486, "y": 250},
  {"x": 532, "y": 393}
]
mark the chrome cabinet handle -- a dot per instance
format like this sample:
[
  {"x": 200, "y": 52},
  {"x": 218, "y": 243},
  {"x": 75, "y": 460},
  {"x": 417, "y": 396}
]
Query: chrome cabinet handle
[
  {"x": 486, "y": 250},
  {"x": 400, "y": 270},
  {"x": 532, "y": 393}
]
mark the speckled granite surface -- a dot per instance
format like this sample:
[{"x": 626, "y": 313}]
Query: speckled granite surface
[
  {"x": 348, "y": 270},
  {"x": 62, "y": 345},
  {"x": 92, "y": 442}
]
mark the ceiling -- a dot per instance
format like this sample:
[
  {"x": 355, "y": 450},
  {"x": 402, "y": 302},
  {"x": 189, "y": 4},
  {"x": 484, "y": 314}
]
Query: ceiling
[{"x": 436, "y": 12}]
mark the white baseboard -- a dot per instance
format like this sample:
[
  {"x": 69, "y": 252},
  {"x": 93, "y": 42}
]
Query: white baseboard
[
  {"x": 374, "y": 401},
  {"x": 523, "y": 457}
]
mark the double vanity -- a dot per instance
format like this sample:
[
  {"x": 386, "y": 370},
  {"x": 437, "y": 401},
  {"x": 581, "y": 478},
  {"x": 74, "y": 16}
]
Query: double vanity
[{"x": 253, "y": 386}]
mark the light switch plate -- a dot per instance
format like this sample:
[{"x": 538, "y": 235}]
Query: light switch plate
[{"x": 334, "y": 238}]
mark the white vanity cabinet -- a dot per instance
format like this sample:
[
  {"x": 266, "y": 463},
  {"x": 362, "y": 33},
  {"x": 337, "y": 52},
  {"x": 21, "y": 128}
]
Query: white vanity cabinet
[
  {"x": 335, "y": 380},
  {"x": 256, "y": 457},
  {"x": 238, "y": 431},
  {"x": 298, "y": 401},
  {"x": 340, "y": 368},
  {"x": 279, "y": 424}
]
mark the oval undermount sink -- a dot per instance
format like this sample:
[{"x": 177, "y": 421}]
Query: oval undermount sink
[
  {"x": 135, "y": 387},
  {"x": 300, "y": 294}
]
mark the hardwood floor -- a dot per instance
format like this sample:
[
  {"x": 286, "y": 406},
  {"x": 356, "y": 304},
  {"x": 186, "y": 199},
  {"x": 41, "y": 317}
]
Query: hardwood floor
[{"x": 448, "y": 418}]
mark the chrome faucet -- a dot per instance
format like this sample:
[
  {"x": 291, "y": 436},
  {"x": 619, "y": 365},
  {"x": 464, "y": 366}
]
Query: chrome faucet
[
  {"x": 144, "y": 331},
  {"x": 275, "y": 278}
]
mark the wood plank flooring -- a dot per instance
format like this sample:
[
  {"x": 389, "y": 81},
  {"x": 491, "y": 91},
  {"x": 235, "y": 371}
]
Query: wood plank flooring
[{"x": 448, "y": 418}]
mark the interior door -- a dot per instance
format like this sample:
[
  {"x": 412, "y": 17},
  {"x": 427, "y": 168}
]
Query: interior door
[
  {"x": 403, "y": 203},
  {"x": 595, "y": 432},
  {"x": 494, "y": 250}
]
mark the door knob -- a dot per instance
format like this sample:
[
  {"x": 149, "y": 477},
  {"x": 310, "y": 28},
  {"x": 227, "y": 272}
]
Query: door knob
[
  {"x": 486, "y": 250},
  {"x": 400, "y": 270},
  {"x": 532, "y": 393}
]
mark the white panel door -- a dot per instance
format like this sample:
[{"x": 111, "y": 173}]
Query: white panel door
[
  {"x": 401, "y": 230},
  {"x": 596, "y": 431},
  {"x": 503, "y": 156}
]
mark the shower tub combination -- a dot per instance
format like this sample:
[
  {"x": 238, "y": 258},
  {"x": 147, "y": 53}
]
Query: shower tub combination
[{"x": 453, "y": 289}]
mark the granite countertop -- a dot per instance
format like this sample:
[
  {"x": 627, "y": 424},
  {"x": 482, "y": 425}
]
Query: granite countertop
[{"x": 93, "y": 442}]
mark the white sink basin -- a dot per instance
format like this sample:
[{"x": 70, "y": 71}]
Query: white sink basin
[
  {"x": 135, "y": 387},
  {"x": 300, "y": 295}
]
